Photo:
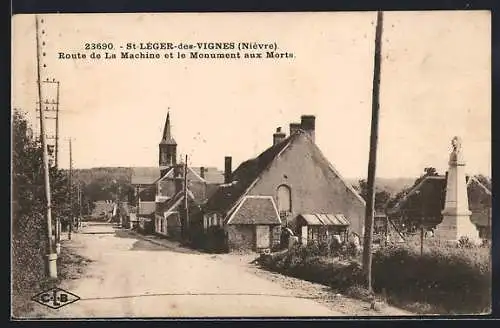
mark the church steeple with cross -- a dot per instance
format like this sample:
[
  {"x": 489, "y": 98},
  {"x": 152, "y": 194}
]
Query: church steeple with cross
[{"x": 167, "y": 147}]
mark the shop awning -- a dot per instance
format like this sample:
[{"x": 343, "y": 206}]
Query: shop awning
[{"x": 325, "y": 219}]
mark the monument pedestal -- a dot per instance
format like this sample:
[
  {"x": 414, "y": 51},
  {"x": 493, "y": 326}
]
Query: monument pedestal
[
  {"x": 455, "y": 226},
  {"x": 456, "y": 214}
]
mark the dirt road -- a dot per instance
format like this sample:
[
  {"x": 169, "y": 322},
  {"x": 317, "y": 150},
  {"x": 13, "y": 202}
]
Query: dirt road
[{"x": 132, "y": 277}]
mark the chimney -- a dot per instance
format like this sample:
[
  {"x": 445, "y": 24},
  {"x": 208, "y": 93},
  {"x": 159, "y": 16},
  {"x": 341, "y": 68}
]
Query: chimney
[
  {"x": 278, "y": 136},
  {"x": 294, "y": 127},
  {"x": 227, "y": 169},
  {"x": 202, "y": 172},
  {"x": 308, "y": 124}
]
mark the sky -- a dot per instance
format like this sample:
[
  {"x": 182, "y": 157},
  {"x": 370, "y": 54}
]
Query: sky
[{"x": 435, "y": 84}]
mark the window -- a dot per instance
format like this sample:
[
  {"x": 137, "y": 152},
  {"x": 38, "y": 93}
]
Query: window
[
  {"x": 315, "y": 234},
  {"x": 284, "y": 197},
  {"x": 164, "y": 158}
]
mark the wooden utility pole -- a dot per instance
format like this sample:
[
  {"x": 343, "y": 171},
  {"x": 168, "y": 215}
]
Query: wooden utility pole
[
  {"x": 422, "y": 238},
  {"x": 57, "y": 126},
  {"x": 54, "y": 109},
  {"x": 70, "y": 228},
  {"x": 119, "y": 206},
  {"x": 372, "y": 161},
  {"x": 186, "y": 203},
  {"x": 51, "y": 256},
  {"x": 80, "y": 198}
]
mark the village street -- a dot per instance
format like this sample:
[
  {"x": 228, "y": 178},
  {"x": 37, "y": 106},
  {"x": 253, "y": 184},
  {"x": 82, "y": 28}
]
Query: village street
[{"x": 132, "y": 277}]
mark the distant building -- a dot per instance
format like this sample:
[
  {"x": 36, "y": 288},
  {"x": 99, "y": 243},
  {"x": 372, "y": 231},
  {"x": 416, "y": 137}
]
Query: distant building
[
  {"x": 426, "y": 200},
  {"x": 145, "y": 205},
  {"x": 292, "y": 178},
  {"x": 161, "y": 191},
  {"x": 102, "y": 209}
]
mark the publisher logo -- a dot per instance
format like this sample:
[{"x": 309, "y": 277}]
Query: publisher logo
[{"x": 55, "y": 298}]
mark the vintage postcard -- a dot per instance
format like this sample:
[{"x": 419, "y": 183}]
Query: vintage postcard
[{"x": 308, "y": 164}]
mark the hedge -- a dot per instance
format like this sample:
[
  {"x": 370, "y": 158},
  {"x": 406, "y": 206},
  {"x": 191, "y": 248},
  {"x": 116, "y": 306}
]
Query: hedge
[
  {"x": 28, "y": 265},
  {"x": 456, "y": 280},
  {"x": 446, "y": 278}
]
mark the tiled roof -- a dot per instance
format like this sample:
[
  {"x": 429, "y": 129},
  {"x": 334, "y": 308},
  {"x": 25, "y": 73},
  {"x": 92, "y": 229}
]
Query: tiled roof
[
  {"x": 433, "y": 191},
  {"x": 325, "y": 219},
  {"x": 175, "y": 201},
  {"x": 146, "y": 208},
  {"x": 226, "y": 195},
  {"x": 144, "y": 175},
  {"x": 255, "y": 210},
  {"x": 212, "y": 174}
]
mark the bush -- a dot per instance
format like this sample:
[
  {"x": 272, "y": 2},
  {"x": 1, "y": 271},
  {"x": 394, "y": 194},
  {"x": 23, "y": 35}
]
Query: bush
[
  {"x": 464, "y": 242},
  {"x": 310, "y": 263},
  {"x": 445, "y": 279},
  {"x": 455, "y": 279},
  {"x": 359, "y": 292},
  {"x": 29, "y": 228},
  {"x": 28, "y": 265}
]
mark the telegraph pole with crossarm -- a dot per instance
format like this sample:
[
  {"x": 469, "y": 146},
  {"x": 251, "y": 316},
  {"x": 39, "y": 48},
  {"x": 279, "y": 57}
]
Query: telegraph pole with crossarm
[{"x": 51, "y": 255}]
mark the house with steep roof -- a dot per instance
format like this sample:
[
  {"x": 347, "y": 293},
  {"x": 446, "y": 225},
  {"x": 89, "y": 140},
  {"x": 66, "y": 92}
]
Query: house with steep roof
[
  {"x": 289, "y": 179},
  {"x": 254, "y": 224},
  {"x": 144, "y": 208},
  {"x": 426, "y": 200},
  {"x": 159, "y": 190}
]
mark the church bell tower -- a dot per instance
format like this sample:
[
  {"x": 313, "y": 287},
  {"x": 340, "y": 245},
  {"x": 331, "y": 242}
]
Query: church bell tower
[{"x": 167, "y": 148}]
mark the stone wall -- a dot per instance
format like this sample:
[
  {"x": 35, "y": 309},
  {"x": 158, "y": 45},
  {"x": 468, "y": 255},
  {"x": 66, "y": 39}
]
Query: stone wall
[{"x": 240, "y": 237}]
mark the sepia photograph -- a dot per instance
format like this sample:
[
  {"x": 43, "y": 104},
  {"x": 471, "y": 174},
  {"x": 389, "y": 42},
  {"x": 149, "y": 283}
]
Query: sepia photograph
[{"x": 251, "y": 165}]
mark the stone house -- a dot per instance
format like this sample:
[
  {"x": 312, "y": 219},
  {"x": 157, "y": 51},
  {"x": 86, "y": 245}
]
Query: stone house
[
  {"x": 176, "y": 182},
  {"x": 171, "y": 199},
  {"x": 294, "y": 177},
  {"x": 145, "y": 215},
  {"x": 143, "y": 183},
  {"x": 254, "y": 224},
  {"x": 164, "y": 187}
]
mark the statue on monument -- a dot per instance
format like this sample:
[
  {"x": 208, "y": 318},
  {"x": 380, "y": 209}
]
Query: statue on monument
[
  {"x": 456, "y": 213},
  {"x": 456, "y": 154}
]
